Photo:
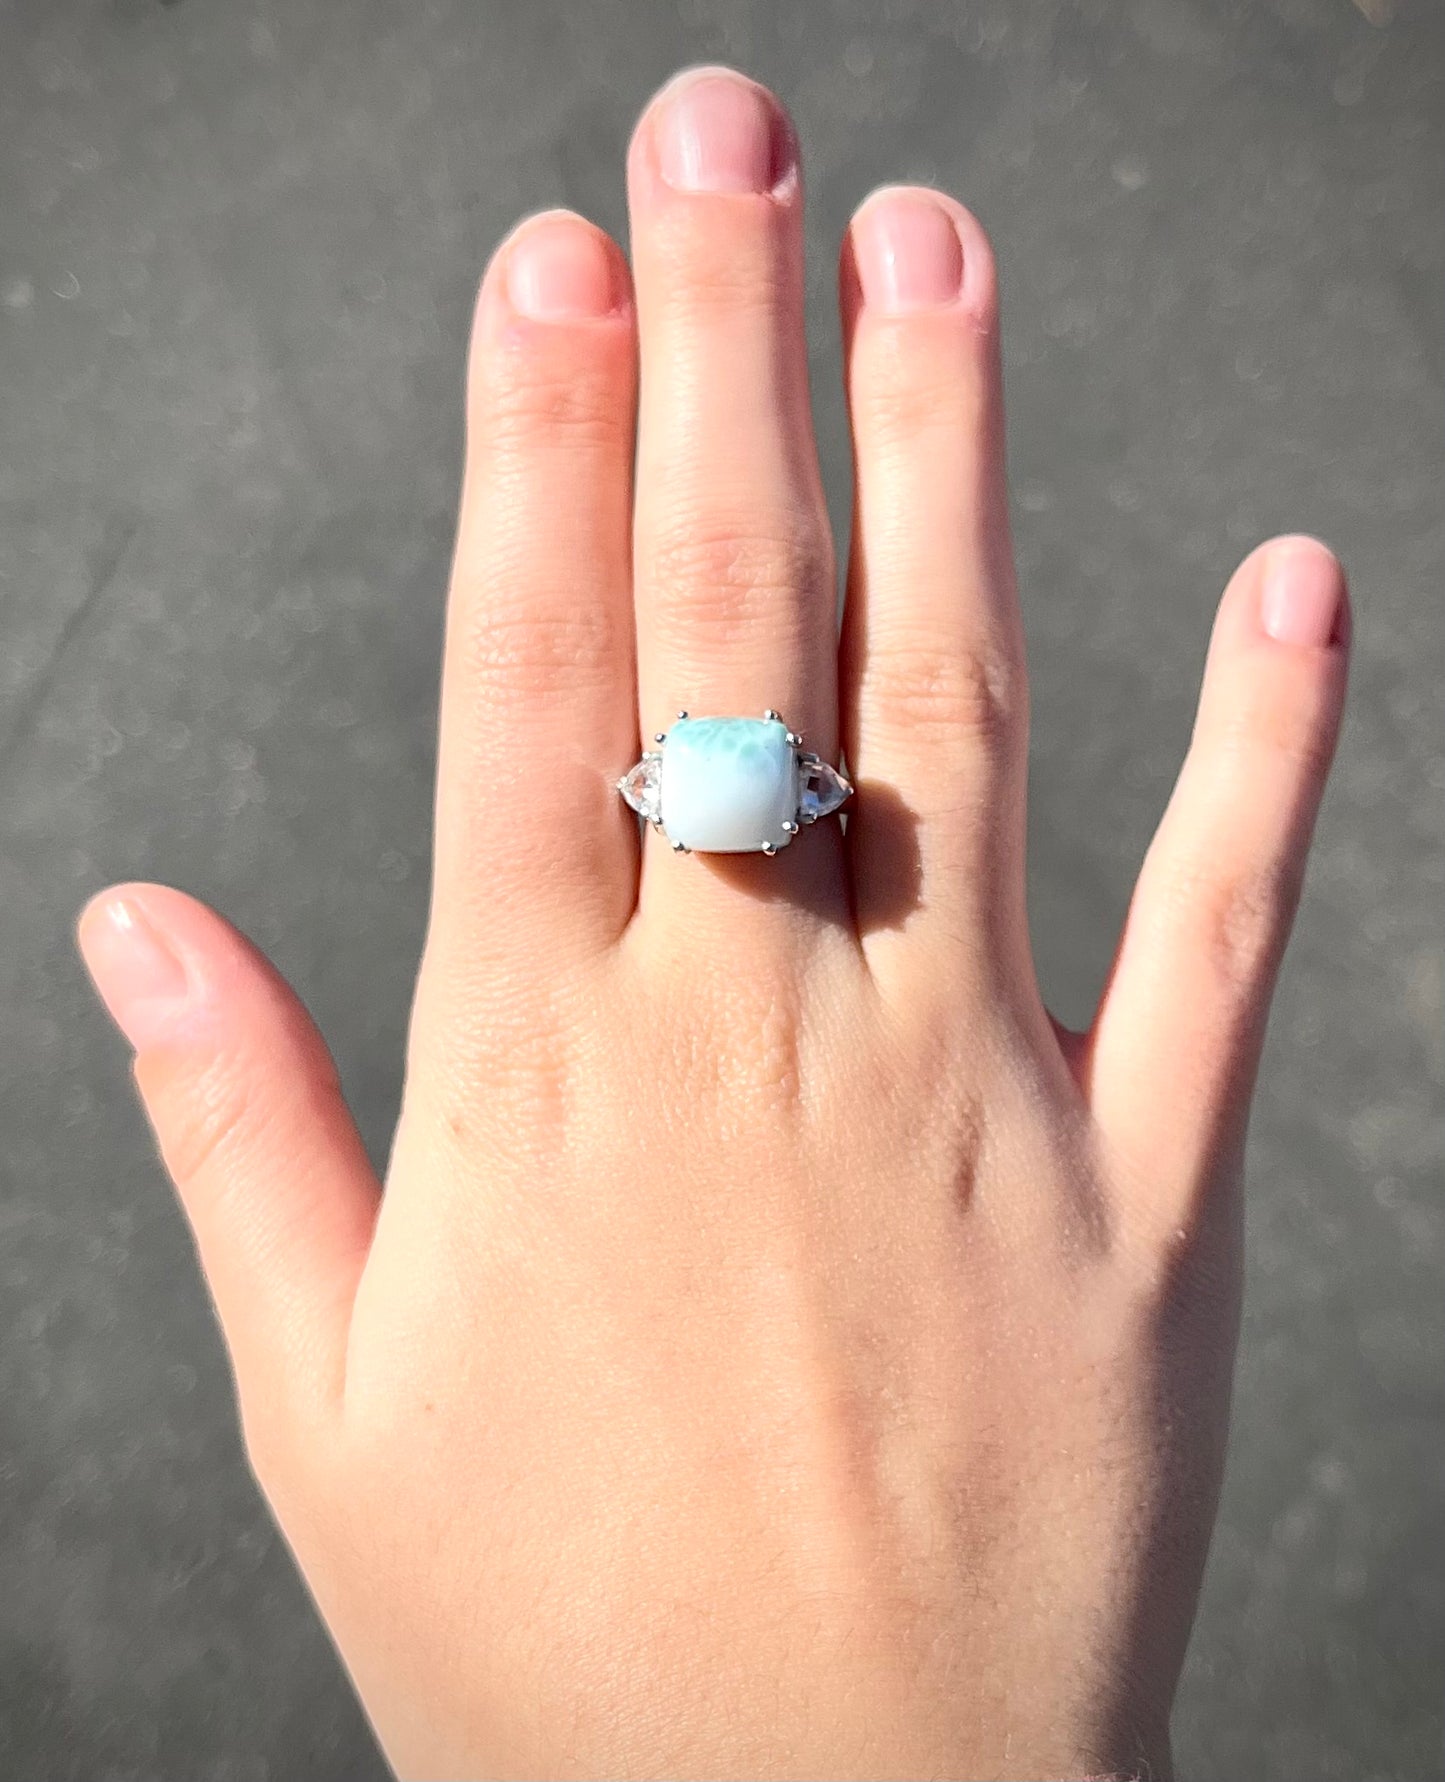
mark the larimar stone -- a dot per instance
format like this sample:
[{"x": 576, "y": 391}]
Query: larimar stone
[{"x": 729, "y": 784}]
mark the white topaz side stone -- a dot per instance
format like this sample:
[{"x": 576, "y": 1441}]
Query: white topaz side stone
[
  {"x": 641, "y": 786},
  {"x": 729, "y": 784}
]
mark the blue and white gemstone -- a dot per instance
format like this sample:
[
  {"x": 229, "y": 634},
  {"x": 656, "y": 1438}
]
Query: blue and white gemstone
[
  {"x": 732, "y": 785},
  {"x": 729, "y": 785}
]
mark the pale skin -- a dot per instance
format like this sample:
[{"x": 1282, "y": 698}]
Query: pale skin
[{"x": 782, "y": 1350}]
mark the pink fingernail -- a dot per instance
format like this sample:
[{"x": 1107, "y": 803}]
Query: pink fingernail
[
  {"x": 721, "y": 133},
  {"x": 141, "y": 980},
  {"x": 908, "y": 252},
  {"x": 1301, "y": 598},
  {"x": 560, "y": 270}
]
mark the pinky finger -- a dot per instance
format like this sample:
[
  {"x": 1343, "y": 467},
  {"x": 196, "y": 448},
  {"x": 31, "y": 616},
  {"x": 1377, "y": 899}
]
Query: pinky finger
[{"x": 1171, "y": 1059}]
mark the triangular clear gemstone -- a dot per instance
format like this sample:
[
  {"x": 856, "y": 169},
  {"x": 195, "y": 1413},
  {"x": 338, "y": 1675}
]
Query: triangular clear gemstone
[
  {"x": 821, "y": 789},
  {"x": 641, "y": 787}
]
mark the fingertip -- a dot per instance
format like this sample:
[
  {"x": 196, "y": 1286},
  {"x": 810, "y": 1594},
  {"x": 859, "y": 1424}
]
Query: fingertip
[
  {"x": 555, "y": 277},
  {"x": 911, "y": 248},
  {"x": 1303, "y": 600},
  {"x": 1304, "y": 543},
  {"x": 557, "y": 266},
  {"x": 712, "y": 130},
  {"x": 140, "y": 973},
  {"x": 161, "y": 900},
  {"x": 1291, "y": 590},
  {"x": 170, "y": 970}
]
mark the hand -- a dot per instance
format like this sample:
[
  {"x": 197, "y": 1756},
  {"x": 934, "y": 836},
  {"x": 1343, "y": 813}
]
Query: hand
[{"x": 781, "y": 1351}]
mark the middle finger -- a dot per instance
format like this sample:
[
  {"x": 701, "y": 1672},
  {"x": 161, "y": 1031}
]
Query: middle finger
[{"x": 733, "y": 560}]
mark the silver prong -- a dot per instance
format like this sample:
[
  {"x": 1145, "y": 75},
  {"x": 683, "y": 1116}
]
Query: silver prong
[
  {"x": 682, "y": 714},
  {"x": 659, "y": 736},
  {"x": 795, "y": 738},
  {"x": 789, "y": 827},
  {"x": 770, "y": 715},
  {"x": 770, "y": 848},
  {"x": 678, "y": 848}
]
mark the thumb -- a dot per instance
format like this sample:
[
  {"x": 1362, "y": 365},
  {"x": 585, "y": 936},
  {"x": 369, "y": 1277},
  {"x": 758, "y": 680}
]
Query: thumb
[{"x": 247, "y": 1109}]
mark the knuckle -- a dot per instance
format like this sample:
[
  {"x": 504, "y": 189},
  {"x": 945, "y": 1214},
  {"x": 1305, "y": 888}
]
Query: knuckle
[
  {"x": 523, "y": 642},
  {"x": 531, "y": 1093},
  {"x": 1245, "y": 925},
  {"x": 913, "y": 386},
  {"x": 568, "y": 398},
  {"x": 742, "y": 270},
  {"x": 711, "y": 576},
  {"x": 1281, "y": 730},
  {"x": 978, "y": 694},
  {"x": 1240, "y": 920},
  {"x": 203, "y": 1120}
]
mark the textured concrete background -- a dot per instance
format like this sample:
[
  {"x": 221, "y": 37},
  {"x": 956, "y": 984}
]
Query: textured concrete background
[{"x": 238, "y": 245}]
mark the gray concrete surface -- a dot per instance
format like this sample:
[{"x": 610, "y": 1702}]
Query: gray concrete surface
[{"x": 238, "y": 244}]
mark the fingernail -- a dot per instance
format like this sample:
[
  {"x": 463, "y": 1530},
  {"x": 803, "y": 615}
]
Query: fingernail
[
  {"x": 1300, "y": 602},
  {"x": 141, "y": 981},
  {"x": 720, "y": 133},
  {"x": 908, "y": 252},
  {"x": 561, "y": 270}
]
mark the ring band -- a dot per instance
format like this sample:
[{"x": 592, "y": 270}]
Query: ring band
[{"x": 732, "y": 785}]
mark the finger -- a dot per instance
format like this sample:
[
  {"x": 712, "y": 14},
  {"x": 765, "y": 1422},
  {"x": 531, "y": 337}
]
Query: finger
[
  {"x": 735, "y": 597},
  {"x": 933, "y": 690},
  {"x": 248, "y": 1114},
  {"x": 533, "y": 847},
  {"x": 1171, "y": 1059}
]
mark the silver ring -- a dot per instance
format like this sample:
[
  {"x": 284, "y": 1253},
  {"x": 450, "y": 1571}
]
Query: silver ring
[{"x": 732, "y": 785}]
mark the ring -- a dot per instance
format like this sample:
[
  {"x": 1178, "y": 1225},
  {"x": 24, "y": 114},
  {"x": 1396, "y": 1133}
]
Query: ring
[{"x": 732, "y": 785}]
